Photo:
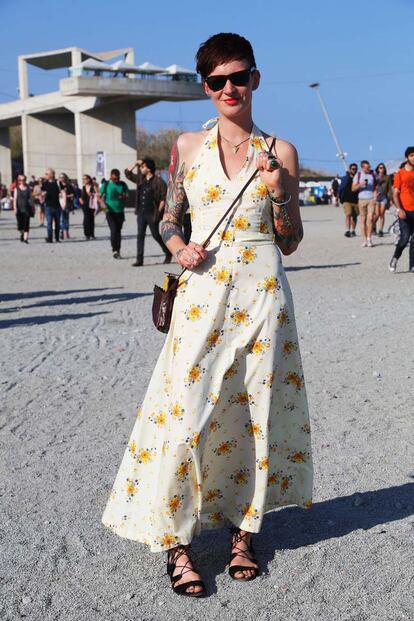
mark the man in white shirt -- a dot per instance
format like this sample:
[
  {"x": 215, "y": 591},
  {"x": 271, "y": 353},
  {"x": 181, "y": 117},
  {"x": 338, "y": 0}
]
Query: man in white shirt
[{"x": 364, "y": 184}]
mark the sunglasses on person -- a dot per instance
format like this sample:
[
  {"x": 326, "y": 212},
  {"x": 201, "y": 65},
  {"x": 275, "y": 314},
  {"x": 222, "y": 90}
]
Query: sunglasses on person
[{"x": 238, "y": 78}]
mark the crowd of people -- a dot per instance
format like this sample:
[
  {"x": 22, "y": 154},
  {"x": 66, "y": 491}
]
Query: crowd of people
[
  {"x": 368, "y": 194},
  {"x": 52, "y": 200},
  {"x": 363, "y": 193}
]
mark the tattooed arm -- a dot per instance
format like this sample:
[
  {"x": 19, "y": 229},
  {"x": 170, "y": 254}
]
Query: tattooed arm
[
  {"x": 175, "y": 205},
  {"x": 282, "y": 184}
]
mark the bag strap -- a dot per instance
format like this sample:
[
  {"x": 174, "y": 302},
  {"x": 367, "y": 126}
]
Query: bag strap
[{"x": 238, "y": 197}]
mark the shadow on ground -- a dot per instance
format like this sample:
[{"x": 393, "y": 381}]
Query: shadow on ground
[
  {"x": 293, "y": 527},
  {"x": 320, "y": 267}
]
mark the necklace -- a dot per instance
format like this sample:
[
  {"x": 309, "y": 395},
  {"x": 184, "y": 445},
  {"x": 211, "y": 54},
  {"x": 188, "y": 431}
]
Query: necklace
[{"x": 235, "y": 147}]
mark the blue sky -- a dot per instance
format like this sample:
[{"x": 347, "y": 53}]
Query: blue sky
[{"x": 361, "y": 53}]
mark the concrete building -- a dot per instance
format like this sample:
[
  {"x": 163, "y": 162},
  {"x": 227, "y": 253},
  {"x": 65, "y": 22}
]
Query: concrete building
[{"x": 92, "y": 115}]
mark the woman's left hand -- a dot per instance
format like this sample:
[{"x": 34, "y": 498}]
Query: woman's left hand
[{"x": 270, "y": 168}]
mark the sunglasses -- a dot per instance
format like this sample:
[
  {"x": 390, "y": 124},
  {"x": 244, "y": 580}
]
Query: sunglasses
[{"x": 239, "y": 78}]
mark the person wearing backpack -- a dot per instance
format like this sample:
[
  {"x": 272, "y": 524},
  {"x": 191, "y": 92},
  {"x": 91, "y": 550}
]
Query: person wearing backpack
[
  {"x": 115, "y": 194},
  {"x": 364, "y": 183},
  {"x": 349, "y": 200}
]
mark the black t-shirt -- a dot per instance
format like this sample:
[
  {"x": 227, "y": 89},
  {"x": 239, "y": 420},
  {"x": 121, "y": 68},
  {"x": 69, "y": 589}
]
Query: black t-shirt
[
  {"x": 52, "y": 193},
  {"x": 146, "y": 195}
]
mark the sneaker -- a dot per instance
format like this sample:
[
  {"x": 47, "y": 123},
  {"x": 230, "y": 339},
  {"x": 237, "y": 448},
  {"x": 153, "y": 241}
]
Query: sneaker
[
  {"x": 353, "y": 234},
  {"x": 393, "y": 265},
  {"x": 380, "y": 233},
  {"x": 137, "y": 263},
  {"x": 365, "y": 244},
  {"x": 347, "y": 233},
  {"x": 48, "y": 240},
  {"x": 116, "y": 255},
  {"x": 369, "y": 243}
]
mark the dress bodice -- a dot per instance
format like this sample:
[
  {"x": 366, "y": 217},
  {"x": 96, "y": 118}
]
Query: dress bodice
[{"x": 210, "y": 193}]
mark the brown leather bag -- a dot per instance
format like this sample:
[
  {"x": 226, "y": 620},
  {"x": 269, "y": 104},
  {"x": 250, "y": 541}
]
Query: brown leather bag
[{"x": 163, "y": 302}]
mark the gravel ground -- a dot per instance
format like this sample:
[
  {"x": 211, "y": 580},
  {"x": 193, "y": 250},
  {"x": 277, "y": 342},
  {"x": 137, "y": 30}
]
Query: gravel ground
[{"x": 77, "y": 351}]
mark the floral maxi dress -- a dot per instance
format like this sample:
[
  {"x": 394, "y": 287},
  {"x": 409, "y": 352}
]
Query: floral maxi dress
[{"x": 223, "y": 432}]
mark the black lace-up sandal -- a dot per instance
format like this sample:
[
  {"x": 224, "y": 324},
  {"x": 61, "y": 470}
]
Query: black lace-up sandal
[
  {"x": 182, "y": 589},
  {"x": 248, "y": 554}
]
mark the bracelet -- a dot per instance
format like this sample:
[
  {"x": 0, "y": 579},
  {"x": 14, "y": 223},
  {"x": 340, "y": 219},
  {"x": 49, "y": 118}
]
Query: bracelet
[{"x": 278, "y": 202}]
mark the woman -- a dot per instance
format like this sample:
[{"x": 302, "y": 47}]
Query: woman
[
  {"x": 87, "y": 201},
  {"x": 38, "y": 201},
  {"x": 22, "y": 205},
  {"x": 383, "y": 190},
  {"x": 223, "y": 432},
  {"x": 66, "y": 202}
]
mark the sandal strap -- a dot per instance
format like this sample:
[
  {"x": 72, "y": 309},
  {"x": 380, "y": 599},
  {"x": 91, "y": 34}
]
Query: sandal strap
[
  {"x": 173, "y": 556},
  {"x": 182, "y": 588}
]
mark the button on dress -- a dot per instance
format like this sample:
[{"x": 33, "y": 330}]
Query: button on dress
[{"x": 223, "y": 434}]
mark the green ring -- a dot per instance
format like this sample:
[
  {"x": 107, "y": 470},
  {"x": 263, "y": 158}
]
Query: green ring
[{"x": 273, "y": 163}]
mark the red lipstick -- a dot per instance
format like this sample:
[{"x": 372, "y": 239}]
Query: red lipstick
[{"x": 231, "y": 101}]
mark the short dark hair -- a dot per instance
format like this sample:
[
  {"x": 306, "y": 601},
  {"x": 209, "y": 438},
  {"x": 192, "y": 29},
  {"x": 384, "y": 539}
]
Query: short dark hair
[
  {"x": 115, "y": 171},
  {"x": 353, "y": 164},
  {"x": 408, "y": 151},
  {"x": 222, "y": 48},
  {"x": 365, "y": 162},
  {"x": 149, "y": 163}
]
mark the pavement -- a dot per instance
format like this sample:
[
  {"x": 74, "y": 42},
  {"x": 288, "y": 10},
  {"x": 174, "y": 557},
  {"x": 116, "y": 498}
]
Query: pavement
[{"x": 77, "y": 350}]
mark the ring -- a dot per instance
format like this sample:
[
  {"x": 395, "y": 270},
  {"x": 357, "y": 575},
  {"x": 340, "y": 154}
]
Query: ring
[{"x": 273, "y": 163}]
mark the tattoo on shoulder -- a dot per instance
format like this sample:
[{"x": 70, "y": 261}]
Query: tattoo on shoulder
[{"x": 176, "y": 198}]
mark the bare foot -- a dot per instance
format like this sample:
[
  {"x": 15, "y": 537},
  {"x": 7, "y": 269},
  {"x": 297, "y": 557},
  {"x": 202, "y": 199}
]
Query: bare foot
[
  {"x": 240, "y": 547},
  {"x": 184, "y": 568}
]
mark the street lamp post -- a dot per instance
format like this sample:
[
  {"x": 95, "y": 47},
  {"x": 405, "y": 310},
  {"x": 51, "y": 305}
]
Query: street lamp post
[{"x": 341, "y": 154}]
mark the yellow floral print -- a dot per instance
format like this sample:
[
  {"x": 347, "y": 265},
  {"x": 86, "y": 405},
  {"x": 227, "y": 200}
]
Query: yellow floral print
[
  {"x": 232, "y": 370},
  {"x": 214, "y": 426},
  {"x": 212, "y": 494},
  {"x": 254, "y": 429},
  {"x": 221, "y": 275},
  {"x": 260, "y": 191},
  {"x": 270, "y": 285},
  {"x": 194, "y": 374},
  {"x": 145, "y": 456},
  {"x": 242, "y": 398},
  {"x": 131, "y": 487},
  {"x": 289, "y": 347},
  {"x": 259, "y": 347},
  {"x": 250, "y": 512},
  {"x": 227, "y": 235},
  {"x": 241, "y": 477},
  {"x": 168, "y": 541},
  {"x": 213, "y": 339},
  {"x": 225, "y": 448},
  {"x": 213, "y": 194},
  {"x": 263, "y": 463},
  {"x": 194, "y": 440},
  {"x": 257, "y": 143},
  {"x": 191, "y": 174},
  {"x": 268, "y": 380},
  {"x": 283, "y": 316},
  {"x": 298, "y": 457},
  {"x": 194, "y": 312},
  {"x": 247, "y": 255},
  {"x": 183, "y": 470},
  {"x": 177, "y": 411},
  {"x": 295, "y": 380},
  {"x": 240, "y": 317},
  {"x": 216, "y": 517},
  {"x": 263, "y": 228},
  {"x": 174, "y": 504},
  {"x": 241, "y": 223}
]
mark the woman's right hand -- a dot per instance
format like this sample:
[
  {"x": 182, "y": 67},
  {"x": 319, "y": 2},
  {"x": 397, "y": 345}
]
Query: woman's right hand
[
  {"x": 402, "y": 214},
  {"x": 191, "y": 256}
]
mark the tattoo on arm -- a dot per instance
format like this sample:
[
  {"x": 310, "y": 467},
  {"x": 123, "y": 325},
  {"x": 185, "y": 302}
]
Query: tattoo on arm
[
  {"x": 286, "y": 233},
  {"x": 176, "y": 199}
]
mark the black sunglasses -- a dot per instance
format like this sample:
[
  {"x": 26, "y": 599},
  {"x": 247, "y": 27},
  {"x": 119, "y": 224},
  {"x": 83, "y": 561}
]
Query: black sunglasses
[{"x": 238, "y": 78}]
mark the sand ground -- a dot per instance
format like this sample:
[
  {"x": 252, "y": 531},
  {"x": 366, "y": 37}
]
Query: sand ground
[{"x": 77, "y": 350}]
